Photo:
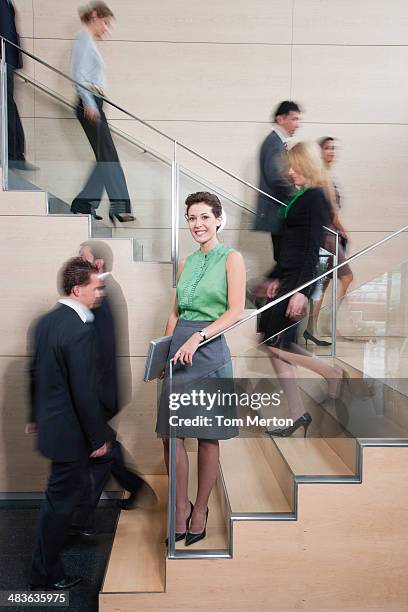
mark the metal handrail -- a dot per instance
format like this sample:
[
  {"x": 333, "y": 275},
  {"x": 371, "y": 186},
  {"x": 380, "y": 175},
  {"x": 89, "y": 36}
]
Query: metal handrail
[
  {"x": 145, "y": 149},
  {"x": 145, "y": 123}
]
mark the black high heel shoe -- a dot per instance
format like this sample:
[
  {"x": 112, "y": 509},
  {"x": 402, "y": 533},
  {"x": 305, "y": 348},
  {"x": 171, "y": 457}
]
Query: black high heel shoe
[
  {"x": 308, "y": 336},
  {"x": 75, "y": 211},
  {"x": 180, "y": 535},
  {"x": 124, "y": 218},
  {"x": 192, "y": 538},
  {"x": 303, "y": 421}
]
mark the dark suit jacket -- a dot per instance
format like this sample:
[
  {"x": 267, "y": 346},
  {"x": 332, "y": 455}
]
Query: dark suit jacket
[
  {"x": 9, "y": 31},
  {"x": 107, "y": 377},
  {"x": 65, "y": 402},
  {"x": 303, "y": 234},
  {"x": 273, "y": 182}
]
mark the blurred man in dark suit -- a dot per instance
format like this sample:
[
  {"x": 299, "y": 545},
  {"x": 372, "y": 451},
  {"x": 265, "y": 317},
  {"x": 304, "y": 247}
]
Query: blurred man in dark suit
[
  {"x": 112, "y": 397},
  {"x": 65, "y": 407},
  {"x": 273, "y": 178},
  {"x": 16, "y": 140}
]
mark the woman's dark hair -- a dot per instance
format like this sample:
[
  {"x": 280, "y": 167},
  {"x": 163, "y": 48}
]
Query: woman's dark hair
[
  {"x": 101, "y": 10},
  {"x": 207, "y": 198},
  {"x": 322, "y": 141},
  {"x": 76, "y": 271}
]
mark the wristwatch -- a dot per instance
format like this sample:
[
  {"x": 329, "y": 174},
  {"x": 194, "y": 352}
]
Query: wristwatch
[{"x": 202, "y": 334}]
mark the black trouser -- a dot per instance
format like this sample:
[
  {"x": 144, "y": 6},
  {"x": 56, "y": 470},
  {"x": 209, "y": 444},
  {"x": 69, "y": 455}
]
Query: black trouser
[
  {"x": 127, "y": 479},
  {"x": 16, "y": 140},
  {"x": 99, "y": 471},
  {"x": 65, "y": 484},
  {"x": 107, "y": 172}
]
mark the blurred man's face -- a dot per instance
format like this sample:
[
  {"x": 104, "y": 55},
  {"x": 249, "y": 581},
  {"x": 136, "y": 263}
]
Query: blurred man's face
[
  {"x": 289, "y": 122},
  {"x": 90, "y": 295}
]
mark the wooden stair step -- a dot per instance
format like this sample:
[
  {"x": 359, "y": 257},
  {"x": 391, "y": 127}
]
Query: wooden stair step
[
  {"x": 217, "y": 533},
  {"x": 312, "y": 457},
  {"x": 138, "y": 557},
  {"x": 251, "y": 484}
]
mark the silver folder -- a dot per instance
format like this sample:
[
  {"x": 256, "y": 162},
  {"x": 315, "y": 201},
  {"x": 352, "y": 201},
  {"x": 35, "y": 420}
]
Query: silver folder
[{"x": 157, "y": 357}]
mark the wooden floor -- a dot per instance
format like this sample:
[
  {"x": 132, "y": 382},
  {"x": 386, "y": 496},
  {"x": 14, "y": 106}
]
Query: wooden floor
[{"x": 138, "y": 557}]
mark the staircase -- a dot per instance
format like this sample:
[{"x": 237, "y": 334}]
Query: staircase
[
  {"x": 312, "y": 536},
  {"x": 295, "y": 524}
]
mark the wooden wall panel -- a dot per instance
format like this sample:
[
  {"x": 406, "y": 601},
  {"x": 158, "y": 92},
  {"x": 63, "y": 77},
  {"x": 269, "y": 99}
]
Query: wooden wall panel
[
  {"x": 266, "y": 21},
  {"x": 23, "y": 469},
  {"x": 202, "y": 82},
  {"x": 350, "y": 22},
  {"x": 351, "y": 84}
]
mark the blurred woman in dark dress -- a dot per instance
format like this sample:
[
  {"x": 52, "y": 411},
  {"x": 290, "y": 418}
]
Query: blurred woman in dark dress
[{"x": 305, "y": 216}]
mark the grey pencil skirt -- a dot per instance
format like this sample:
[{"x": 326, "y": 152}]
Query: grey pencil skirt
[{"x": 210, "y": 373}]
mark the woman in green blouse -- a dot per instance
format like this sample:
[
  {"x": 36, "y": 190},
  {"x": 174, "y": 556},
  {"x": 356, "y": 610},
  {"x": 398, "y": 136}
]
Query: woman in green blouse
[{"x": 210, "y": 297}]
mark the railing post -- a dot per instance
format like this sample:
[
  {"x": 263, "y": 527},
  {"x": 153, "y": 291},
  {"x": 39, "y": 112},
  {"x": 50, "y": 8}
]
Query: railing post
[
  {"x": 334, "y": 296},
  {"x": 175, "y": 176},
  {"x": 3, "y": 118},
  {"x": 171, "y": 510}
]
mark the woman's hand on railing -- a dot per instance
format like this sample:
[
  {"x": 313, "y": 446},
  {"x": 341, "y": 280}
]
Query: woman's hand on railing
[
  {"x": 297, "y": 306},
  {"x": 186, "y": 352},
  {"x": 91, "y": 114},
  {"x": 273, "y": 287},
  {"x": 31, "y": 428}
]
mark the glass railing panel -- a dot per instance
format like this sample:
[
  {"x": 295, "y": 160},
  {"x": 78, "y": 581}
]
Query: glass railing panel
[
  {"x": 373, "y": 306},
  {"x": 359, "y": 393}
]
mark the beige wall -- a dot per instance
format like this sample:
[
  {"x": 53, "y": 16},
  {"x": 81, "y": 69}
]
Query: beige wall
[{"x": 210, "y": 73}]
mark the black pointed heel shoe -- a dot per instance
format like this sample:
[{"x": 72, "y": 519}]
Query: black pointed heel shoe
[
  {"x": 123, "y": 218},
  {"x": 180, "y": 535},
  {"x": 77, "y": 211},
  {"x": 192, "y": 538},
  {"x": 308, "y": 336},
  {"x": 303, "y": 421}
]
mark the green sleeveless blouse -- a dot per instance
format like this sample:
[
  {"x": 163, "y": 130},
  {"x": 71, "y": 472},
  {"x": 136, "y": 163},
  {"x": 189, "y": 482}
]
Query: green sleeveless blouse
[{"x": 202, "y": 292}]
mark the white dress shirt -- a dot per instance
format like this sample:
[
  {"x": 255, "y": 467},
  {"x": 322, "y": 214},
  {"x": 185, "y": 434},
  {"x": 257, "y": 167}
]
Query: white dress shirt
[
  {"x": 282, "y": 135},
  {"x": 82, "y": 311}
]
